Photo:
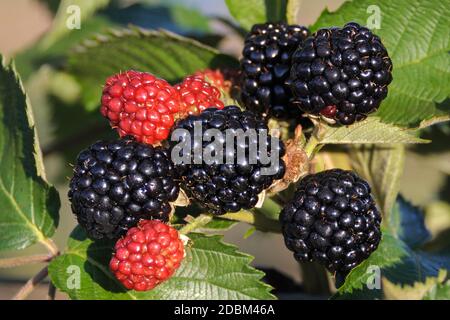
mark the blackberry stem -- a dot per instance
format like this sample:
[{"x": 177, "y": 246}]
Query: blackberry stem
[
  {"x": 25, "y": 291},
  {"x": 270, "y": 209},
  {"x": 260, "y": 221},
  {"x": 312, "y": 146},
  {"x": 315, "y": 279},
  {"x": 196, "y": 223},
  {"x": 51, "y": 246},
  {"x": 20, "y": 261}
]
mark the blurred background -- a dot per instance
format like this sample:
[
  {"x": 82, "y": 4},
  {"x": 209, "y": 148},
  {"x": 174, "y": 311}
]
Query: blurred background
[{"x": 65, "y": 127}]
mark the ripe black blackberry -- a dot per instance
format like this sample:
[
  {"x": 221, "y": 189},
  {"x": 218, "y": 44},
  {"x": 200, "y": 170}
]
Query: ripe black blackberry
[
  {"x": 217, "y": 184},
  {"x": 341, "y": 73},
  {"x": 117, "y": 183},
  {"x": 332, "y": 219},
  {"x": 265, "y": 67}
]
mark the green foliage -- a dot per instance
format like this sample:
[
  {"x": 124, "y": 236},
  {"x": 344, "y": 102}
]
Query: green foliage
[
  {"x": 416, "y": 35},
  {"x": 28, "y": 204},
  {"x": 398, "y": 263},
  {"x": 382, "y": 166},
  {"x": 159, "y": 52},
  {"x": 250, "y": 12},
  {"x": 371, "y": 130},
  {"x": 211, "y": 269}
]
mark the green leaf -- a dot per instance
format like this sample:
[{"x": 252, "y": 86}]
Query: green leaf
[
  {"x": 211, "y": 270},
  {"x": 66, "y": 14},
  {"x": 440, "y": 291},
  {"x": 218, "y": 224},
  {"x": 189, "y": 18},
  {"x": 382, "y": 167},
  {"x": 28, "y": 204},
  {"x": 417, "y": 37},
  {"x": 371, "y": 130},
  {"x": 31, "y": 59},
  {"x": 162, "y": 53},
  {"x": 417, "y": 291},
  {"x": 250, "y": 12},
  {"x": 407, "y": 222},
  {"x": 397, "y": 263}
]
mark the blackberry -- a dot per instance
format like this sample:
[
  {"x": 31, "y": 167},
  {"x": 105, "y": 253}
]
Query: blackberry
[
  {"x": 117, "y": 183},
  {"x": 237, "y": 171},
  {"x": 332, "y": 219},
  {"x": 265, "y": 68},
  {"x": 341, "y": 73}
]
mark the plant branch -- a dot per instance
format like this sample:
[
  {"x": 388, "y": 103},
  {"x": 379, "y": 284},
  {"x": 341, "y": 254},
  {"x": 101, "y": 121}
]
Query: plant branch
[
  {"x": 25, "y": 291},
  {"x": 20, "y": 261},
  {"x": 196, "y": 223},
  {"x": 270, "y": 209},
  {"x": 315, "y": 279},
  {"x": 312, "y": 146},
  {"x": 260, "y": 221},
  {"x": 51, "y": 246},
  {"x": 51, "y": 291}
]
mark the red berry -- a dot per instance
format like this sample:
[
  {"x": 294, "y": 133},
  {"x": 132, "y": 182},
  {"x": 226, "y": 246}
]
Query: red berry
[
  {"x": 329, "y": 111},
  {"x": 148, "y": 255},
  {"x": 216, "y": 78},
  {"x": 139, "y": 104},
  {"x": 198, "y": 94}
]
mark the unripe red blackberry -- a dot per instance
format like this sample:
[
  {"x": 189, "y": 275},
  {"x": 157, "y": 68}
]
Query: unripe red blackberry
[
  {"x": 149, "y": 254},
  {"x": 218, "y": 184},
  {"x": 332, "y": 219},
  {"x": 341, "y": 73},
  {"x": 198, "y": 94},
  {"x": 139, "y": 104},
  {"x": 216, "y": 78},
  {"x": 117, "y": 183},
  {"x": 265, "y": 68}
]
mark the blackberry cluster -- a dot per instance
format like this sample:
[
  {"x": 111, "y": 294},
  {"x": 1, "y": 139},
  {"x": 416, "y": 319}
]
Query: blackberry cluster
[
  {"x": 115, "y": 184},
  {"x": 341, "y": 73},
  {"x": 265, "y": 68},
  {"x": 220, "y": 185},
  {"x": 332, "y": 219}
]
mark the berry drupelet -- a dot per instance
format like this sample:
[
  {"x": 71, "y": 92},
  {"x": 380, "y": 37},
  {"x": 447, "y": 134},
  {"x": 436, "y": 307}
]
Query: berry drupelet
[
  {"x": 265, "y": 68},
  {"x": 119, "y": 182},
  {"x": 341, "y": 73},
  {"x": 233, "y": 179},
  {"x": 332, "y": 219}
]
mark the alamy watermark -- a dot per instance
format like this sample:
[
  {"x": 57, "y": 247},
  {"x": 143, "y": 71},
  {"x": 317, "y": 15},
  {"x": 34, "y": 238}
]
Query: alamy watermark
[
  {"x": 374, "y": 280},
  {"x": 374, "y": 20},
  {"x": 73, "y": 21},
  {"x": 252, "y": 147}
]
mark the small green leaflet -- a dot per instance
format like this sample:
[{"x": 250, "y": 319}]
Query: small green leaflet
[
  {"x": 28, "y": 204},
  {"x": 211, "y": 269}
]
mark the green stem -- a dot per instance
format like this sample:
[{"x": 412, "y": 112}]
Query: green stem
[
  {"x": 270, "y": 209},
  {"x": 51, "y": 246},
  {"x": 315, "y": 279},
  {"x": 292, "y": 10},
  {"x": 312, "y": 146},
  {"x": 196, "y": 223},
  {"x": 260, "y": 221}
]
